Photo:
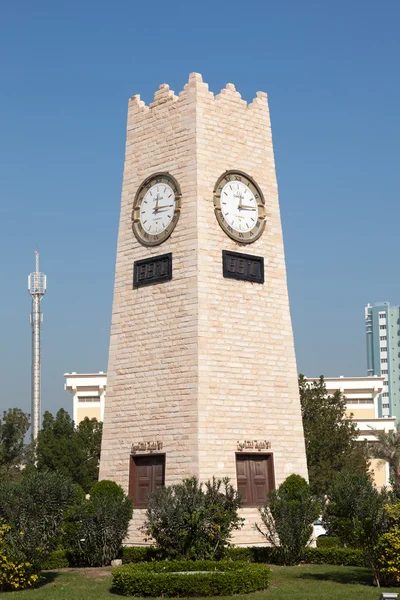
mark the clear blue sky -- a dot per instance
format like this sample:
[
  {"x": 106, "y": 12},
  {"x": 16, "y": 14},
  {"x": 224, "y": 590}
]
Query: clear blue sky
[{"x": 67, "y": 69}]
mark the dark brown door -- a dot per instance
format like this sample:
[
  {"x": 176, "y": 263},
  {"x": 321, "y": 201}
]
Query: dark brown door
[
  {"x": 255, "y": 478},
  {"x": 146, "y": 474}
]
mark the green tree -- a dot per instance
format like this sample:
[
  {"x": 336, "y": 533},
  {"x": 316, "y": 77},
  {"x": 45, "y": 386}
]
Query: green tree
[
  {"x": 330, "y": 436},
  {"x": 192, "y": 521},
  {"x": 13, "y": 427},
  {"x": 73, "y": 451},
  {"x": 387, "y": 449},
  {"x": 34, "y": 507},
  {"x": 94, "y": 528},
  {"x": 288, "y": 516},
  {"x": 357, "y": 514}
]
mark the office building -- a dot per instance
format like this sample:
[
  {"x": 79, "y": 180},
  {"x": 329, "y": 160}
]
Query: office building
[{"x": 382, "y": 323}]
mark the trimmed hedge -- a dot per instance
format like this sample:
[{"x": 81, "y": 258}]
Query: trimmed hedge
[
  {"x": 57, "y": 560},
  {"x": 328, "y": 541},
  {"x": 189, "y": 578},
  {"x": 135, "y": 554},
  {"x": 349, "y": 557}
]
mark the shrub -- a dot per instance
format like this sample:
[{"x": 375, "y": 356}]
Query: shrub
[
  {"x": 328, "y": 541},
  {"x": 325, "y": 556},
  {"x": 14, "y": 575},
  {"x": 34, "y": 507},
  {"x": 189, "y": 578},
  {"x": 135, "y": 554},
  {"x": 17, "y": 576},
  {"x": 288, "y": 516},
  {"x": 388, "y": 548},
  {"x": 94, "y": 528},
  {"x": 356, "y": 513},
  {"x": 190, "y": 521},
  {"x": 348, "y": 557},
  {"x": 57, "y": 560}
]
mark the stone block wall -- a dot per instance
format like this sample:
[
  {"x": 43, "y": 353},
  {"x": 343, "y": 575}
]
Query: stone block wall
[{"x": 201, "y": 362}]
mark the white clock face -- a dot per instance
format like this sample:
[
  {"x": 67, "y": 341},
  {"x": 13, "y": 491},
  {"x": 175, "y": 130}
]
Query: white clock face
[
  {"x": 157, "y": 208},
  {"x": 239, "y": 206}
]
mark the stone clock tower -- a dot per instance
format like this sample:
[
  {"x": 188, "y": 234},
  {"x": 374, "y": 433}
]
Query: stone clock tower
[{"x": 202, "y": 373}]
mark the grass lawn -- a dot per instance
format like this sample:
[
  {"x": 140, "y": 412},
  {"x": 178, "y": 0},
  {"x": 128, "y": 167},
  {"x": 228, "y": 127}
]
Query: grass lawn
[{"x": 307, "y": 582}]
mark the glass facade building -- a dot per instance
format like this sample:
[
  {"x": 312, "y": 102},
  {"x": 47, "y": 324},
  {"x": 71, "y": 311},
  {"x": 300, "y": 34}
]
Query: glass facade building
[{"x": 382, "y": 323}]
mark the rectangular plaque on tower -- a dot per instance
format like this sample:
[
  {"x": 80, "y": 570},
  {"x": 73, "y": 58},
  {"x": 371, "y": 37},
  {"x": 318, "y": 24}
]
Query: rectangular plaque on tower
[
  {"x": 246, "y": 267},
  {"x": 155, "y": 269}
]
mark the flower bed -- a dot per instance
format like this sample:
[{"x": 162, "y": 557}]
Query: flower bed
[{"x": 189, "y": 578}]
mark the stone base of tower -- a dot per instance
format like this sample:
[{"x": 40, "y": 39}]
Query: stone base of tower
[{"x": 247, "y": 536}]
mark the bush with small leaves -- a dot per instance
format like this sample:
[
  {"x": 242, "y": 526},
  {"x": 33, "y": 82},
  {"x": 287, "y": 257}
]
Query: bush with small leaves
[{"x": 189, "y": 578}]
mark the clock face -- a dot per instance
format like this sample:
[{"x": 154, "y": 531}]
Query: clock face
[
  {"x": 156, "y": 209},
  {"x": 239, "y": 206}
]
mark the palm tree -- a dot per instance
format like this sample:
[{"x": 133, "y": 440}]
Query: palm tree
[{"x": 387, "y": 448}]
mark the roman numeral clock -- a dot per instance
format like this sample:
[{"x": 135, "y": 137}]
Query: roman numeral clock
[
  {"x": 202, "y": 376},
  {"x": 239, "y": 206}
]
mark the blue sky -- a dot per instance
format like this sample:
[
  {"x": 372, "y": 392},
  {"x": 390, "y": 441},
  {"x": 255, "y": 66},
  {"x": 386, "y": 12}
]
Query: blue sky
[{"x": 67, "y": 69}]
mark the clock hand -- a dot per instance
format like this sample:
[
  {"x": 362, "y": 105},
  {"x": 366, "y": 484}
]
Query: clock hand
[{"x": 245, "y": 207}]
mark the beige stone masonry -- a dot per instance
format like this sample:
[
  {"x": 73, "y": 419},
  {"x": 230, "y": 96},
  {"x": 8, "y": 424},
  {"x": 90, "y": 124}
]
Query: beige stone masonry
[{"x": 201, "y": 361}]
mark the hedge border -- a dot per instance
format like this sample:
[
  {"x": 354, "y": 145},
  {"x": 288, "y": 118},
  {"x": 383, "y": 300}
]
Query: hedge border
[
  {"x": 349, "y": 557},
  {"x": 171, "y": 578}
]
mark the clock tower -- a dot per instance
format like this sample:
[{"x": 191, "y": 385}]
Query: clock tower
[{"x": 202, "y": 373}]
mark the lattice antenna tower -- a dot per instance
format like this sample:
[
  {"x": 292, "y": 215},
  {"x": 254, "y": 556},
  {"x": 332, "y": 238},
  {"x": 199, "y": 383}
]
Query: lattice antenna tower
[{"x": 37, "y": 289}]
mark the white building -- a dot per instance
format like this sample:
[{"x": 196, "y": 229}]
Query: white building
[
  {"x": 362, "y": 396},
  {"x": 88, "y": 391}
]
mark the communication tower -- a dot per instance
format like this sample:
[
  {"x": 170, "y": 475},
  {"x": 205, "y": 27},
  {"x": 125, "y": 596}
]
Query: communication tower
[{"x": 37, "y": 289}]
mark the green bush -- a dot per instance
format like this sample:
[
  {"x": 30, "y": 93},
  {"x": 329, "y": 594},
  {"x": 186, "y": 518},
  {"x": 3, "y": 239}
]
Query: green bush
[
  {"x": 320, "y": 556},
  {"x": 255, "y": 554},
  {"x": 34, "y": 506},
  {"x": 329, "y": 541},
  {"x": 357, "y": 515},
  {"x": 57, "y": 560},
  {"x": 348, "y": 557},
  {"x": 14, "y": 575},
  {"x": 94, "y": 528},
  {"x": 287, "y": 518},
  {"x": 17, "y": 576},
  {"x": 189, "y": 578},
  {"x": 192, "y": 521},
  {"x": 135, "y": 554}
]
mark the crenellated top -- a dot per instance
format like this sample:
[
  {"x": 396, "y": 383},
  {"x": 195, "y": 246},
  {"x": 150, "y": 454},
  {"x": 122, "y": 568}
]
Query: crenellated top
[{"x": 196, "y": 83}]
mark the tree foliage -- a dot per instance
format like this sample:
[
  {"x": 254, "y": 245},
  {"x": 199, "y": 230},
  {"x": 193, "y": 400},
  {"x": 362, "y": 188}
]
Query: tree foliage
[
  {"x": 13, "y": 452},
  {"x": 191, "y": 520},
  {"x": 330, "y": 436},
  {"x": 34, "y": 507},
  {"x": 95, "y": 527},
  {"x": 73, "y": 451},
  {"x": 356, "y": 513},
  {"x": 288, "y": 516},
  {"x": 387, "y": 449}
]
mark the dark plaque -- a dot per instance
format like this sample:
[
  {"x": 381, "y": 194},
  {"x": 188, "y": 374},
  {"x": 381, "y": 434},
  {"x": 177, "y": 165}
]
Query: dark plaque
[
  {"x": 243, "y": 266},
  {"x": 155, "y": 269}
]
